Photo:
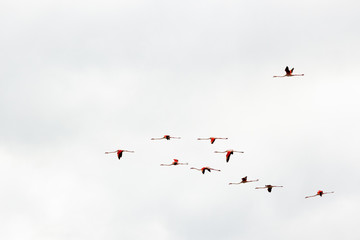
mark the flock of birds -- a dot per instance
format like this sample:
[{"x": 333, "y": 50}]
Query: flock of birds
[{"x": 289, "y": 73}]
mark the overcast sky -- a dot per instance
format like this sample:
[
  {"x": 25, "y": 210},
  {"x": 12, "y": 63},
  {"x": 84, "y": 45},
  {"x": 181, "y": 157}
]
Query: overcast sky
[{"x": 79, "y": 78}]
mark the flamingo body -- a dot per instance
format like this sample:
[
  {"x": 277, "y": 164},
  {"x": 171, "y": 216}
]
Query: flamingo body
[
  {"x": 174, "y": 163},
  {"x": 229, "y": 153},
  {"x": 289, "y": 73},
  {"x": 119, "y": 152},
  {"x": 244, "y": 180},
  {"x": 167, "y": 137},
  {"x": 204, "y": 169},
  {"x": 268, "y": 187},
  {"x": 212, "y": 139},
  {"x": 319, "y": 193}
]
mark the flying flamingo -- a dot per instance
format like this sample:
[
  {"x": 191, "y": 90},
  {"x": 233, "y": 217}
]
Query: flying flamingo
[
  {"x": 319, "y": 193},
  {"x": 119, "y": 152},
  {"x": 205, "y": 169},
  {"x": 167, "y": 137},
  {"x": 269, "y": 187},
  {"x": 244, "y": 180},
  {"x": 228, "y": 153},
  {"x": 212, "y": 139},
  {"x": 289, "y": 73},
  {"x": 175, "y": 162}
]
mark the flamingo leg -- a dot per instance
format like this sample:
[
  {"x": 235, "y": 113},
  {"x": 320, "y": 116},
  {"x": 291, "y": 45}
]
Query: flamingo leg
[
  {"x": 311, "y": 196},
  {"x": 110, "y": 152}
]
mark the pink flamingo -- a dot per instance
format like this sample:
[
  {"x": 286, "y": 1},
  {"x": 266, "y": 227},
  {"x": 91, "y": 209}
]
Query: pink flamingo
[
  {"x": 167, "y": 137},
  {"x": 319, "y": 193},
  {"x": 119, "y": 152},
  {"x": 244, "y": 180},
  {"x": 228, "y": 153},
  {"x": 269, "y": 187},
  {"x": 212, "y": 139},
  {"x": 289, "y": 73},
  {"x": 205, "y": 169},
  {"x": 175, "y": 162}
]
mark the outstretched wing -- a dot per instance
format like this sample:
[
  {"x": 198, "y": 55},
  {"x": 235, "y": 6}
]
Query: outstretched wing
[
  {"x": 287, "y": 70},
  {"x": 228, "y": 154}
]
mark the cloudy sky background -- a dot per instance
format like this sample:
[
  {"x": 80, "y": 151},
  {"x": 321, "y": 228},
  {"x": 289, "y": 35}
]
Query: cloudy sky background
[{"x": 79, "y": 78}]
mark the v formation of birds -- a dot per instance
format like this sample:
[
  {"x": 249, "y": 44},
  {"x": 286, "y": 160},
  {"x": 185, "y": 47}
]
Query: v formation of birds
[{"x": 288, "y": 73}]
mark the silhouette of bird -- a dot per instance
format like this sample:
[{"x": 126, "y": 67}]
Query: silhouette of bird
[
  {"x": 167, "y": 137},
  {"x": 212, "y": 139},
  {"x": 269, "y": 187},
  {"x": 244, "y": 180},
  {"x": 205, "y": 169},
  {"x": 289, "y": 73},
  {"x": 119, "y": 152},
  {"x": 319, "y": 193},
  {"x": 228, "y": 153},
  {"x": 175, "y": 162}
]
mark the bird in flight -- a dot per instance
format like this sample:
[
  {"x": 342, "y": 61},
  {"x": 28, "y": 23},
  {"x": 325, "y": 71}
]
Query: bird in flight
[
  {"x": 244, "y": 180},
  {"x": 175, "y": 162},
  {"x": 205, "y": 169},
  {"x": 289, "y": 73},
  {"x": 228, "y": 153},
  {"x": 269, "y": 187},
  {"x": 319, "y": 193},
  {"x": 119, "y": 152},
  {"x": 167, "y": 137},
  {"x": 212, "y": 139}
]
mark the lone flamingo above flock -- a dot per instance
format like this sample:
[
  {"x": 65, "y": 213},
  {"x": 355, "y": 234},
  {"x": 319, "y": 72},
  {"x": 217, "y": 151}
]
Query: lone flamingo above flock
[
  {"x": 244, "y": 180},
  {"x": 289, "y": 73},
  {"x": 319, "y": 193},
  {"x": 206, "y": 169},
  {"x": 269, "y": 187},
  {"x": 167, "y": 137},
  {"x": 175, "y": 162},
  {"x": 212, "y": 139},
  {"x": 119, "y": 152},
  {"x": 228, "y": 153}
]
